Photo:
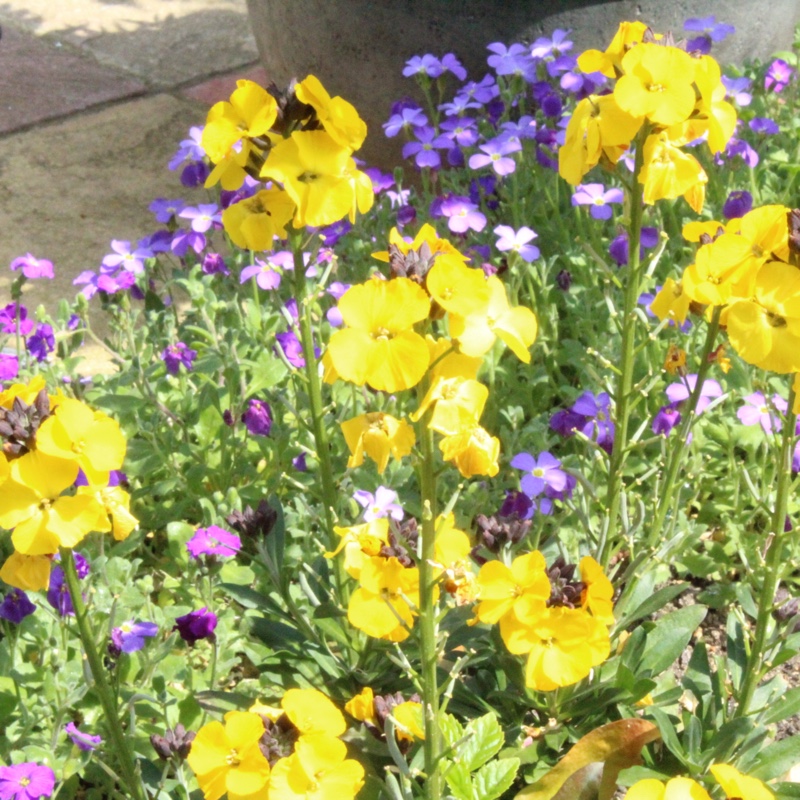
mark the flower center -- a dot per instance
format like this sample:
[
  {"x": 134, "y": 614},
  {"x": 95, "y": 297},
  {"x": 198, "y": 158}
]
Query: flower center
[
  {"x": 233, "y": 759},
  {"x": 381, "y": 334},
  {"x": 23, "y": 782},
  {"x": 538, "y": 472},
  {"x": 775, "y": 320},
  {"x": 656, "y": 87}
]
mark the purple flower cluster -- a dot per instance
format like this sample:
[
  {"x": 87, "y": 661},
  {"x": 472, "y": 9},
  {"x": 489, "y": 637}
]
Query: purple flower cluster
[{"x": 590, "y": 415}]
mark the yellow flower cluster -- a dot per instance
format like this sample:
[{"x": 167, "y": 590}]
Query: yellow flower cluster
[
  {"x": 407, "y": 714},
  {"x": 288, "y": 753},
  {"x": 302, "y": 144},
  {"x": 381, "y": 347},
  {"x": 665, "y": 93},
  {"x": 735, "y": 785},
  {"x": 562, "y": 626},
  {"x": 385, "y": 603},
  {"x": 46, "y": 441},
  {"x": 748, "y": 268}
]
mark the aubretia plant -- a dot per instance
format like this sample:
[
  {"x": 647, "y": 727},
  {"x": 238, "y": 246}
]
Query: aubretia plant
[{"x": 483, "y": 452}]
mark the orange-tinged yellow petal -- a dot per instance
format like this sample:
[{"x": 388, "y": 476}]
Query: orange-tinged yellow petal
[{"x": 313, "y": 712}]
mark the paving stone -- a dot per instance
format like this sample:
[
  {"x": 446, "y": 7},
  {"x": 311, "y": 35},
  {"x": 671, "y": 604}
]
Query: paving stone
[
  {"x": 220, "y": 88},
  {"x": 43, "y": 82}
]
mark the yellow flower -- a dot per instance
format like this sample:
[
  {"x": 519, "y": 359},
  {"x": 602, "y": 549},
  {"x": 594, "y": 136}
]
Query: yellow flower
[
  {"x": 715, "y": 115},
  {"x": 320, "y": 177},
  {"x": 378, "y": 435},
  {"x": 692, "y": 231},
  {"x": 708, "y": 280},
  {"x": 563, "y": 644},
  {"x": 765, "y": 329},
  {"x": 378, "y": 346},
  {"x": 30, "y": 573},
  {"x": 522, "y": 589},
  {"x": 272, "y": 713},
  {"x": 317, "y": 770},
  {"x": 117, "y": 503},
  {"x": 338, "y": 117},
  {"x": 736, "y": 785},
  {"x": 675, "y": 362},
  {"x": 408, "y": 716},
  {"x": 90, "y": 437},
  {"x": 230, "y": 171},
  {"x": 425, "y": 236},
  {"x": 668, "y": 172},
  {"x": 360, "y": 542},
  {"x": 597, "y": 596},
  {"x": 227, "y": 758},
  {"x": 658, "y": 84},
  {"x": 25, "y": 391},
  {"x": 380, "y": 606},
  {"x": 447, "y": 362},
  {"x": 472, "y": 450},
  {"x": 674, "y": 789},
  {"x": 609, "y": 62},
  {"x": 253, "y": 223},
  {"x": 516, "y": 327},
  {"x": 31, "y": 504},
  {"x": 312, "y": 712},
  {"x": 251, "y": 112},
  {"x": 452, "y": 546},
  {"x": 457, "y": 403},
  {"x": 671, "y": 302},
  {"x": 456, "y": 287},
  {"x": 362, "y": 706}
]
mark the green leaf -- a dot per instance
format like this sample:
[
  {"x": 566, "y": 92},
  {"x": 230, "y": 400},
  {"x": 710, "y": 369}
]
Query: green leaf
[
  {"x": 777, "y": 759},
  {"x": 276, "y": 540},
  {"x": 783, "y": 708},
  {"x": 277, "y": 635},
  {"x": 655, "y": 602},
  {"x": 486, "y": 740},
  {"x": 8, "y": 699},
  {"x": 495, "y": 777},
  {"x": 458, "y": 779},
  {"x": 737, "y": 654},
  {"x": 669, "y": 637},
  {"x": 451, "y": 728}
]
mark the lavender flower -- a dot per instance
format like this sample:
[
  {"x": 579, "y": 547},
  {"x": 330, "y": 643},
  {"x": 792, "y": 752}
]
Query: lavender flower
[
  {"x": 196, "y": 625},
  {"x": 757, "y": 410},
  {"x": 214, "y": 264},
  {"x": 84, "y": 741},
  {"x": 189, "y": 149},
  {"x": 33, "y": 268},
  {"x": 512, "y": 60},
  {"x": 495, "y": 153},
  {"x": 165, "y": 210},
  {"x": 203, "y": 217},
  {"x": 125, "y": 258},
  {"x": 778, "y": 76},
  {"x": 517, "y": 242},
  {"x": 462, "y": 130},
  {"x": 257, "y": 417},
  {"x": 764, "y": 126},
  {"x": 381, "y": 181},
  {"x": 741, "y": 148},
  {"x": 452, "y": 65},
  {"x": 539, "y": 473},
  {"x": 407, "y": 120},
  {"x": 213, "y": 541},
  {"x": 736, "y": 90},
  {"x": 462, "y": 214},
  {"x": 292, "y": 348},
  {"x": 737, "y": 204},
  {"x": 596, "y": 196},
  {"x": 130, "y": 636},
  {"x": 424, "y": 150},
  {"x": 26, "y": 781},
  {"x": 708, "y": 26},
  {"x": 267, "y": 275},
  {"x": 596, "y": 412},
  {"x": 427, "y": 65},
  {"x": 679, "y": 392},
  {"x": 553, "y": 45},
  {"x": 41, "y": 342},
  {"x": 381, "y": 504},
  {"x": 176, "y": 354},
  {"x": 618, "y": 249},
  {"x": 481, "y": 92},
  {"x": 16, "y": 606},
  {"x": 183, "y": 241}
]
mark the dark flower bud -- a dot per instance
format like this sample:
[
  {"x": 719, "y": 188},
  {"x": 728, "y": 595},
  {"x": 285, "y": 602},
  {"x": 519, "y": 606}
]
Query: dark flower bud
[
  {"x": 564, "y": 280},
  {"x": 564, "y": 591},
  {"x": 254, "y": 524},
  {"x": 278, "y": 739},
  {"x": 176, "y": 742}
]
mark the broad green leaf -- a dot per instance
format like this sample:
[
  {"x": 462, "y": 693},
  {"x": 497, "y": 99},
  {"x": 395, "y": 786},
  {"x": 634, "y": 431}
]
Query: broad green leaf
[
  {"x": 785, "y": 707},
  {"x": 494, "y": 778},
  {"x": 8, "y": 699},
  {"x": 458, "y": 779},
  {"x": 776, "y": 759},
  {"x": 485, "y": 741},
  {"x": 737, "y": 654},
  {"x": 618, "y": 744},
  {"x": 669, "y": 637}
]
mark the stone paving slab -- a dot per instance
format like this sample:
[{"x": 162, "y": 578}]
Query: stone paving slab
[{"x": 41, "y": 82}]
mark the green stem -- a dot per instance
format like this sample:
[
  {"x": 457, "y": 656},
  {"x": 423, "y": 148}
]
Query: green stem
[
  {"x": 427, "y": 614},
  {"x": 772, "y": 564},
  {"x": 622, "y": 393},
  {"x": 116, "y": 735}
]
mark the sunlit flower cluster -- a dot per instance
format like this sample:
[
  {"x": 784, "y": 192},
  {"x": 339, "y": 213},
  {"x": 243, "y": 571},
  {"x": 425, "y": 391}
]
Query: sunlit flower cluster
[
  {"x": 664, "y": 98},
  {"x": 279, "y": 753},
  {"x": 735, "y": 785},
  {"x": 56, "y": 459}
]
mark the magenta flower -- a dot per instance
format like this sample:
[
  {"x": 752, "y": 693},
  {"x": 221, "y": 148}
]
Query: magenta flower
[
  {"x": 462, "y": 214},
  {"x": 757, "y": 410},
  {"x": 213, "y": 541},
  {"x": 381, "y": 504},
  {"x": 130, "y": 636},
  {"x": 258, "y": 417},
  {"x": 495, "y": 153},
  {"x": 9, "y": 367},
  {"x": 539, "y": 473},
  {"x": 266, "y": 273},
  {"x": 517, "y": 242},
  {"x": 33, "y": 267},
  {"x": 27, "y": 781},
  {"x": 680, "y": 391},
  {"x": 778, "y": 76},
  {"x": 12, "y": 315},
  {"x": 176, "y": 354},
  {"x": 84, "y": 741},
  {"x": 596, "y": 196},
  {"x": 196, "y": 625}
]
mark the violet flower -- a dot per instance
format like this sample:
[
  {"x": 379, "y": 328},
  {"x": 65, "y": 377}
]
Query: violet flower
[
  {"x": 257, "y": 417},
  {"x": 764, "y": 126},
  {"x": 84, "y": 741},
  {"x": 618, "y": 249},
  {"x": 596, "y": 196},
  {"x": 203, "y": 217},
  {"x": 41, "y": 342},
  {"x": 196, "y": 625},
  {"x": 679, "y": 392},
  {"x": 213, "y": 541},
  {"x": 424, "y": 150},
  {"x": 427, "y": 65},
  {"x": 462, "y": 214},
  {"x": 512, "y": 60},
  {"x": 480, "y": 92},
  {"x": 517, "y": 242},
  {"x": 596, "y": 411},
  {"x": 58, "y": 594},
  {"x": 462, "y": 130},
  {"x": 758, "y": 411},
  {"x": 407, "y": 120},
  {"x": 665, "y": 420},
  {"x": 125, "y": 258},
  {"x": 737, "y": 204},
  {"x": 452, "y": 65},
  {"x": 708, "y": 26},
  {"x": 176, "y": 354},
  {"x": 26, "y": 781},
  {"x": 292, "y": 348},
  {"x": 266, "y": 273},
  {"x": 33, "y": 268},
  {"x": 165, "y": 210},
  {"x": 736, "y": 90},
  {"x": 553, "y": 45},
  {"x": 189, "y": 149},
  {"x": 9, "y": 321},
  {"x": 516, "y": 504},
  {"x": 495, "y": 153},
  {"x": 214, "y": 264},
  {"x": 130, "y": 636},
  {"x": 381, "y": 504},
  {"x": 16, "y": 606},
  {"x": 778, "y": 76},
  {"x": 299, "y": 463},
  {"x": 381, "y": 181},
  {"x": 539, "y": 473}
]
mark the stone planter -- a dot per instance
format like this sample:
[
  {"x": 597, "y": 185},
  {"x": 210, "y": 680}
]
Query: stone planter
[{"x": 358, "y": 47}]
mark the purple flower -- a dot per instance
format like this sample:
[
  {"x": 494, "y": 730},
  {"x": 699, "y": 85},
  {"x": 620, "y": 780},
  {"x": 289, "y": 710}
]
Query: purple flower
[
  {"x": 764, "y": 125},
  {"x": 665, "y": 420},
  {"x": 58, "y": 594},
  {"x": 757, "y": 410},
  {"x": 189, "y": 149},
  {"x": 554, "y": 45},
  {"x": 596, "y": 196},
  {"x": 618, "y": 249},
  {"x": 196, "y": 625},
  {"x": 736, "y": 90},
  {"x": 737, "y": 204},
  {"x": 539, "y": 473},
  {"x": 213, "y": 541},
  {"x": 165, "y": 210},
  {"x": 516, "y": 504},
  {"x": 125, "y": 258},
  {"x": 454, "y": 66},
  {"x": 33, "y": 267},
  {"x": 195, "y": 174},
  {"x": 741, "y": 148},
  {"x": 561, "y": 494},
  {"x": 424, "y": 150},
  {"x": 331, "y": 234},
  {"x": 596, "y": 412},
  {"x": 203, "y": 217},
  {"x": 408, "y": 119},
  {"x": 580, "y": 84},
  {"x": 481, "y": 92},
  {"x": 381, "y": 504},
  {"x": 9, "y": 367},
  {"x": 292, "y": 348},
  {"x": 462, "y": 214},
  {"x": 494, "y": 152},
  {"x": 130, "y": 636},
  {"x": 679, "y": 392},
  {"x": 523, "y": 128},
  {"x": 176, "y": 354},
  {"x": 183, "y": 241},
  {"x": 85, "y": 741},
  {"x": 512, "y": 60},
  {"x": 716, "y": 31},
  {"x": 381, "y": 181},
  {"x": 461, "y": 130},
  {"x": 214, "y": 264},
  {"x": 517, "y": 242},
  {"x": 41, "y": 342},
  {"x": 258, "y": 417},
  {"x": 9, "y": 321},
  {"x": 565, "y": 422},
  {"x": 778, "y": 75},
  {"x": 299, "y": 463},
  {"x": 423, "y": 65},
  {"x": 27, "y": 781},
  {"x": 406, "y": 215},
  {"x": 16, "y": 606},
  {"x": 266, "y": 273},
  {"x": 564, "y": 280}
]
